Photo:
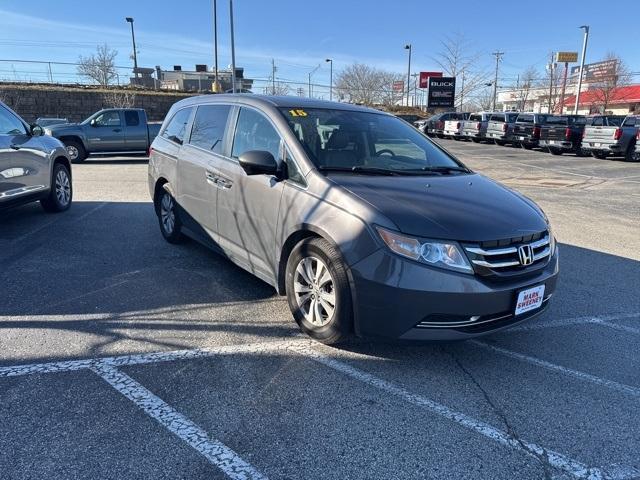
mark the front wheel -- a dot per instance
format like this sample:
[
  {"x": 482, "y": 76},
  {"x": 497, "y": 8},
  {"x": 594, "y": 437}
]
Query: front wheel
[
  {"x": 75, "y": 151},
  {"x": 61, "y": 193},
  {"x": 318, "y": 291},
  {"x": 170, "y": 224}
]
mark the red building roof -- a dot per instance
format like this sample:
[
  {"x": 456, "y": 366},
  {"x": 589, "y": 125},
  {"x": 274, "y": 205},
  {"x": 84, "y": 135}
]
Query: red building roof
[{"x": 629, "y": 94}]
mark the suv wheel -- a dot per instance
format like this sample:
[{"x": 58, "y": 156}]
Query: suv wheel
[
  {"x": 555, "y": 151},
  {"x": 630, "y": 154},
  {"x": 318, "y": 291},
  {"x": 170, "y": 224},
  {"x": 61, "y": 192}
]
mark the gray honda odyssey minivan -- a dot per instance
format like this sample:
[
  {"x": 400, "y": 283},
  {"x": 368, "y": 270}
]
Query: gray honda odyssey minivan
[{"x": 364, "y": 224}]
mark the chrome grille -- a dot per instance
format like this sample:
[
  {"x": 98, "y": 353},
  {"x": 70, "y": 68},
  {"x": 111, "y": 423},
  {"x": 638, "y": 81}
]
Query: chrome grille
[{"x": 503, "y": 257}]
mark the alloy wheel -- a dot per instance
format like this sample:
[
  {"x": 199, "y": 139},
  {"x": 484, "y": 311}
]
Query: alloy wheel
[
  {"x": 72, "y": 151},
  {"x": 314, "y": 289},
  {"x": 167, "y": 214},
  {"x": 63, "y": 188}
]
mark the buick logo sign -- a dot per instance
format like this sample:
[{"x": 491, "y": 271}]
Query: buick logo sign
[{"x": 525, "y": 254}]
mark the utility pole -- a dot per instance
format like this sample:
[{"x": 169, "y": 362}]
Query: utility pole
[
  {"x": 233, "y": 50},
  {"x": 273, "y": 76},
  {"x": 135, "y": 54},
  {"x": 498, "y": 55},
  {"x": 551, "y": 75},
  {"x": 408, "y": 47},
  {"x": 311, "y": 73},
  {"x": 584, "y": 54},
  {"x": 216, "y": 83}
]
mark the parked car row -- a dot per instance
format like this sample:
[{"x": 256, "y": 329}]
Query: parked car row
[{"x": 598, "y": 135}]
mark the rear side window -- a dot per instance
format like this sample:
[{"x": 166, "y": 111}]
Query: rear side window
[
  {"x": 209, "y": 126},
  {"x": 596, "y": 121},
  {"x": 255, "y": 132},
  {"x": 630, "y": 122},
  {"x": 615, "y": 121},
  {"x": 578, "y": 120},
  {"x": 512, "y": 117},
  {"x": 131, "y": 118},
  {"x": 177, "y": 126}
]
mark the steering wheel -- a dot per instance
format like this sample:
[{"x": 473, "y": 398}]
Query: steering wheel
[{"x": 383, "y": 151}]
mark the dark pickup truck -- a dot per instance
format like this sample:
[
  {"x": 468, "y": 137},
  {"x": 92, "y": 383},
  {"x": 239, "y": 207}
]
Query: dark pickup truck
[
  {"x": 563, "y": 134},
  {"x": 110, "y": 131},
  {"x": 526, "y": 131}
]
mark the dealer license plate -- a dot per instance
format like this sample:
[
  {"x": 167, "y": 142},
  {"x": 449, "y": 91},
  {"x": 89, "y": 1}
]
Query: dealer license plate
[{"x": 529, "y": 299}]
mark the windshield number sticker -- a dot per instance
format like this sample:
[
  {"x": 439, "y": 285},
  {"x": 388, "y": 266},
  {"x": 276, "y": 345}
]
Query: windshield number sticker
[{"x": 298, "y": 113}]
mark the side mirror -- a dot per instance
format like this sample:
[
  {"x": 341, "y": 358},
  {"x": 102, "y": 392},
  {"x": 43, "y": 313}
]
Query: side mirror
[
  {"x": 258, "y": 162},
  {"x": 36, "y": 130},
  {"x": 93, "y": 122}
]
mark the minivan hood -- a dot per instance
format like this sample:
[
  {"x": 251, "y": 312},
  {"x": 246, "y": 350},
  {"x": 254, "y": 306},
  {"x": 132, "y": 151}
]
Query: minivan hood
[{"x": 453, "y": 207}]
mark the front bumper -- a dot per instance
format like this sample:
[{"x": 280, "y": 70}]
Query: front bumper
[{"x": 401, "y": 299}]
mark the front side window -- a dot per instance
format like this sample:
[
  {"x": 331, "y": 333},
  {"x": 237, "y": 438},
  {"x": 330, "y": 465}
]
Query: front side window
[
  {"x": 10, "y": 124},
  {"x": 361, "y": 141},
  {"x": 255, "y": 132},
  {"x": 209, "y": 126},
  {"x": 177, "y": 126},
  {"x": 108, "y": 119}
]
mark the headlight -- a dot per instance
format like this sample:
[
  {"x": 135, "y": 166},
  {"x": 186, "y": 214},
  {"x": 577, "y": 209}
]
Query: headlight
[
  {"x": 552, "y": 239},
  {"x": 436, "y": 253}
]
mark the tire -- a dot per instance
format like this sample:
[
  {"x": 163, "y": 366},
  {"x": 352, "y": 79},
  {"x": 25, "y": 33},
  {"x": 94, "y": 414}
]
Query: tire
[
  {"x": 555, "y": 151},
  {"x": 475, "y": 140},
  {"x": 500, "y": 142},
  {"x": 630, "y": 154},
  {"x": 598, "y": 155},
  {"x": 303, "y": 292},
  {"x": 75, "y": 151},
  {"x": 168, "y": 218},
  {"x": 526, "y": 146},
  {"x": 61, "y": 192}
]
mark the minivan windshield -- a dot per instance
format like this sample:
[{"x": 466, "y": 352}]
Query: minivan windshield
[{"x": 369, "y": 143}]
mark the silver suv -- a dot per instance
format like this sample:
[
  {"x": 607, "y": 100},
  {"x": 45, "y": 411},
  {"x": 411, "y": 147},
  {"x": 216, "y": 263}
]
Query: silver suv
[
  {"x": 32, "y": 166},
  {"x": 366, "y": 225}
]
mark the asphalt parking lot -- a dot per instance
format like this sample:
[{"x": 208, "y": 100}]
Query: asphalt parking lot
[{"x": 124, "y": 357}]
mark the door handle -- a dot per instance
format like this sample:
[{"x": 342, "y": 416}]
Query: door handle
[
  {"x": 13, "y": 146},
  {"x": 117, "y": 130}
]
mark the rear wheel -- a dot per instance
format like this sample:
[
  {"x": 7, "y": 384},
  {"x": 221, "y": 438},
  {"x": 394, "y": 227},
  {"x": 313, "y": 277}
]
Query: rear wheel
[
  {"x": 61, "y": 193},
  {"x": 318, "y": 291},
  {"x": 75, "y": 151},
  {"x": 555, "y": 151},
  {"x": 170, "y": 224},
  {"x": 630, "y": 154},
  {"x": 526, "y": 146},
  {"x": 475, "y": 140},
  {"x": 599, "y": 155},
  {"x": 500, "y": 142}
]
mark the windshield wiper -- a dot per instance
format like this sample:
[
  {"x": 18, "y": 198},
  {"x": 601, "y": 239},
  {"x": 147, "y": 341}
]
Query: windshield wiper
[
  {"x": 359, "y": 169},
  {"x": 443, "y": 169}
]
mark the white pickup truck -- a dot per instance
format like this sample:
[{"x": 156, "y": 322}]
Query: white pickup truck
[{"x": 453, "y": 129}]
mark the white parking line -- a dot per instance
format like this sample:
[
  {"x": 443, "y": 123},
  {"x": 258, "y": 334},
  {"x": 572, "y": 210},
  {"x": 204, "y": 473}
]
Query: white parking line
[
  {"x": 604, "y": 320},
  {"x": 556, "y": 460},
  {"x": 307, "y": 348},
  {"x": 213, "y": 450},
  {"x": 620, "y": 387}
]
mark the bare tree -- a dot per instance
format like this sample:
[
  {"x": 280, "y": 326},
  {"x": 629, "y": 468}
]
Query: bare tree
[
  {"x": 526, "y": 83},
  {"x": 480, "y": 101},
  {"x": 551, "y": 84},
  {"x": 605, "y": 87},
  {"x": 119, "y": 99},
  {"x": 458, "y": 59},
  {"x": 99, "y": 67},
  {"x": 278, "y": 89},
  {"x": 360, "y": 83}
]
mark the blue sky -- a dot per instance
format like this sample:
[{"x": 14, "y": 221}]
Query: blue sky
[{"x": 300, "y": 34}]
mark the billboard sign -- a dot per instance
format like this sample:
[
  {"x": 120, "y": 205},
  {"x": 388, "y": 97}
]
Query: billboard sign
[
  {"x": 594, "y": 72},
  {"x": 424, "y": 78},
  {"x": 566, "y": 57},
  {"x": 442, "y": 92},
  {"x": 398, "y": 86}
]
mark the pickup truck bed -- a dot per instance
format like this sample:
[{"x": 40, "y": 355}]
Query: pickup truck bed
[{"x": 612, "y": 140}]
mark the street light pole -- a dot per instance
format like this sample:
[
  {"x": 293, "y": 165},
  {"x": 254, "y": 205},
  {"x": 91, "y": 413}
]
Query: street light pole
[
  {"x": 495, "y": 83},
  {"x": 135, "y": 54},
  {"x": 233, "y": 50},
  {"x": 330, "y": 60},
  {"x": 408, "y": 47},
  {"x": 311, "y": 73},
  {"x": 584, "y": 54},
  {"x": 216, "y": 82}
]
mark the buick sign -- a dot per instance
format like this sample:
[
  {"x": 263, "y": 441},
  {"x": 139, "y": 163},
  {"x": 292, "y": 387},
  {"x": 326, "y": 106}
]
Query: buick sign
[{"x": 442, "y": 92}]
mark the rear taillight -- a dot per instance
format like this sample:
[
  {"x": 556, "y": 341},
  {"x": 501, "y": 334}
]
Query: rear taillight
[
  {"x": 567, "y": 133},
  {"x": 638, "y": 135},
  {"x": 504, "y": 127},
  {"x": 478, "y": 125},
  {"x": 458, "y": 125},
  {"x": 618, "y": 134},
  {"x": 150, "y": 151},
  {"x": 536, "y": 132}
]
